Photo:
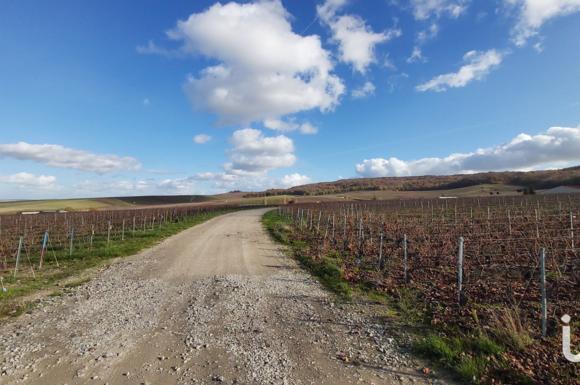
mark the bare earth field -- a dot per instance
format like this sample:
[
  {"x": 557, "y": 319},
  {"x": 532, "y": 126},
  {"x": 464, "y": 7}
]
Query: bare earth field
[
  {"x": 218, "y": 303},
  {"x": 11, "y": 207}
]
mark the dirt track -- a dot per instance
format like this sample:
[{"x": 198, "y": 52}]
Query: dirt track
[{"x": 218, "y": 303}]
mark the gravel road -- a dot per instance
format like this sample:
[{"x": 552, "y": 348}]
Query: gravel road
[{"x": 218, "y": 303}]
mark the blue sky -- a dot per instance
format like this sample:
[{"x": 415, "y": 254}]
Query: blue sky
[{"x": 122, "y": 98}]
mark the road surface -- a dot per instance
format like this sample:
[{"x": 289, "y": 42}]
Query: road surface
[{"x": 217, "y": 303}]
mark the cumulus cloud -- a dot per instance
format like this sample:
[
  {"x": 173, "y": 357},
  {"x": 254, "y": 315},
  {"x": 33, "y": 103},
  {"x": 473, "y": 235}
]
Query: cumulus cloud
[
  {"x": 478, "y": 65},
  {"x": 220, "y": 182},
  {"x": 216, "y": 176},
  {"x": 308, "y": 128},
  {"x": 177, "y": 186},
  {"x": 130, "y": 187},
  {"x": 201, "y": 138},
  {"x": 329, "y": 8},
  {"x": 254, "y": 153},
  {"x": 55, "y": 155},
  {"x": 25, "y": 179},
  {"x": 558, "y": 145},
  {"x": 363, "y": 91},
  {"x": 425, "y": 9},
  {"x": 226, "y": 181},
  {"x": 532, "y": 14},
  {"x": 290, "y": 126},
  {"x": 356, "y": 40},
  {"x": 251, "y": 157},
  {"x": 264, "y": 70},
  {"x": 295, "y": 179},
  {"x": 223, "y": 181}
]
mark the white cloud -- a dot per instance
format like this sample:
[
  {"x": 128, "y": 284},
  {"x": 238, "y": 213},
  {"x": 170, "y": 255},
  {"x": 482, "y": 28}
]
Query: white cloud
[
  {"x": 308, "y": 128},
  {"x": 251, "y": 157},
  {"x": 216, "y": 176},
  {"x": 289, "y": 126},
  {"x": 532, "y": 14},
  {"x": 222, "y": 181},
  {"x": 201, "y": 138},
  {"x": 558, "y": 145},
  {"x": 416, "y": 55},
  {"x": 356, "y": 41},
  {"x": 389, "y": 64},
  {"x": 122, "y": 187},
  {"x": 478, "y": 65},
  {"x": 365, "y": 90},
  {"x": 225, "y": 181},
  {"x": 428, "y": 34},
  {"x": 394, "y": 81},
  {"x": 425, "y": 9},
  {"x": 295, "y": 179},
  {"x": 153, "y": 49},
  {"x": 254, "y": 153},
  {"x": 177, "y": 186},
  {"x": 265, "y": 70},
  {"x": 25, "y": 179},
  {"x": 329, "y": 8},
  {"x": 55, "y": 155}
]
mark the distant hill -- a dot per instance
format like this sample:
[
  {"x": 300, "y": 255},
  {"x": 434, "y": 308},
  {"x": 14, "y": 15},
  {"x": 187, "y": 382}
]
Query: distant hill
[
  {"x": 48, "y": 205},
  {"x": 151, "y": 200},
  {"x": 531, "y": 179}
]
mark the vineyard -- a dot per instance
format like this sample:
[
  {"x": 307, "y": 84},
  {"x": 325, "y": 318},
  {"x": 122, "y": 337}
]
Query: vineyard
[
  {"x": 33, "y": 247},
  {"x": 509, "y": 267}
]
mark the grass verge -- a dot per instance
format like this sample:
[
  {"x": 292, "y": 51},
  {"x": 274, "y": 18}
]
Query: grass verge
[
  {"x": 466, "y": 356},
  {"x": 24, "y": 284},
  {"x": 326, "y": 269}
]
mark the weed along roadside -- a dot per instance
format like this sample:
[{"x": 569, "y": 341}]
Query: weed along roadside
[
  {"x": 484, "y": 354},
  {"x": 325, "y": 269},
  {"x": 67, "y": 261}
]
